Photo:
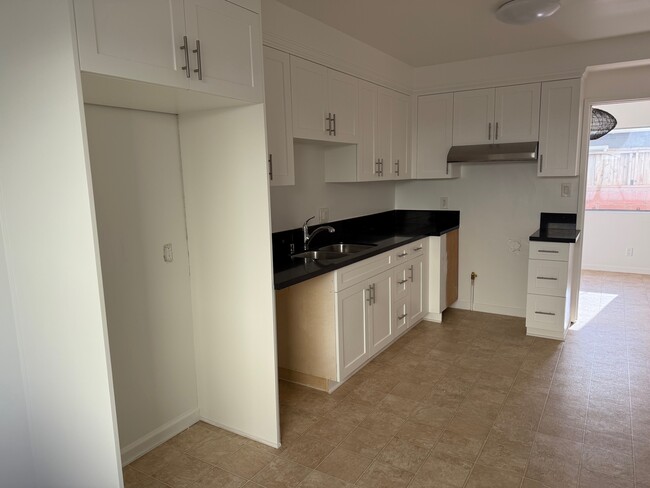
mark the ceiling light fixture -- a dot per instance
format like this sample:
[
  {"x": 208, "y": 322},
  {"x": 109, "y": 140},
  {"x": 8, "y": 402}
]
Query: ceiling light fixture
[
  {"x": 526, "y": 11},
  {"x": 601, "y": 123}
]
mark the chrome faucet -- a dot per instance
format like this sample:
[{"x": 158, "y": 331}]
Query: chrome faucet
[{"x": 307, "y": 237}]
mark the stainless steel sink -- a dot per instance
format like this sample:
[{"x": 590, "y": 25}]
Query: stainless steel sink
[
  {"x": 346, "y": 248},
  {"x": 319, "y": 255}
]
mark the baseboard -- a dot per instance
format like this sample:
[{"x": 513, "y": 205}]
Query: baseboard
[
  {"x": 433, "y": 317},
  {"x": 489, "y": 308},
  {"x": 156, "y": 437},
  {"x": 546, "y": 334},
  {"x": 616, "y": 269},
  {"x": 275, "y": 445}
]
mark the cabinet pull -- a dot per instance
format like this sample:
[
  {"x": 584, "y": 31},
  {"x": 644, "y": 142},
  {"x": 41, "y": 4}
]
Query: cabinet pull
[
  {"x": 377, "y": 167},
  {"x": 489, "y": 131},
  {"x": 186, "y": 51},
  {"x": 401, "y": 282},
  {"x": 329, "y": 123},
  {"x": 400, "y": 317},
  {"x": 546, "y": 278},
  {"x": 447, "y": 170},
  {"x": 334, "y": 123},
  {"x": 197, "y": 51},
  {"x": 412, "y": 273},
  {"x": 369, "y": 298},
  {"x": 397, "y": 167},
  {"x": 417, "y": 248},
  {"x": 541, "y": 162},
  {"x": 374, "y": 296},
  {"x": 271, "y": 166},
  {"x": 545, "y": 313},
  {"x": 404, "y": 253},
  {"x": 381, "y": 167},
  {"x": 496, "y": 132},
  {"x": 549, "y": 251}
]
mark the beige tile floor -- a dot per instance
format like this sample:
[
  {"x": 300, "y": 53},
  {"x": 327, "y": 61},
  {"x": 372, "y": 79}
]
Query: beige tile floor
[{"x": 470, "y": 403}]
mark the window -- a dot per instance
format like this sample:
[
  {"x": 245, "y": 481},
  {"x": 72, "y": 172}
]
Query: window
[{"x": 618, "y": 175}]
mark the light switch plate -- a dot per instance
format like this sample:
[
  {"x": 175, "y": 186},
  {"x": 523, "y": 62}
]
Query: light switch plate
[
  {"x": 323, "y": 215},
  {"x": 566, "y": 190},
  {"x": 168, "y": 253},
  {"x": 444, "y": 203}
]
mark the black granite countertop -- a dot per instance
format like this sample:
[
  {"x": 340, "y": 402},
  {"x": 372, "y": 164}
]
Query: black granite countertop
[
  {"x": 557, "y": 227},
  {"x": 386, "y": 230}
]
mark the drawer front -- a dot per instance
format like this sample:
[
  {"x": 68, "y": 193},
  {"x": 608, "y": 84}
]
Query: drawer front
[
  {"x": 401, "y": 281},
  {"x": 409, "y": 251},
  {"x": 546, "y": 313},
  {"x": 401, "y": 318},
  {"x": 547, "y": 277},
  {"x": 549, "y": 251},
  {"x": 357, "y": 272}
]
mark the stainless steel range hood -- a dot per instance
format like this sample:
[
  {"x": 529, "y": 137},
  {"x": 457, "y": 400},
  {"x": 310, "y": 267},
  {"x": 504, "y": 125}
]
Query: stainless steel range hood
[{"x": 494, "y": 153}]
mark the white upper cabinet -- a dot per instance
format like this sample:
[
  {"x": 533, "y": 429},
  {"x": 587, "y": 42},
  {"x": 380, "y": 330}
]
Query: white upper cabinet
[
  {"x": 559, "y": 128},
  {"x": 516, "y": 114},
  {"x": 435, "y": 137},
  {"x": 226, "y": 49},
  {"x": 325, "y": 103},
  {"x": 473, "y": 117},
  {"x": 173, "y": 43},
  {"x": 400, "y": 117},
  {"x": 367, "y": 165},
  {"x": 497, "y": 115},
  {"x": 277, "y": 85}
]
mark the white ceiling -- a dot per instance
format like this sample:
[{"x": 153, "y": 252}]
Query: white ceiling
[{"x": 425, "y": 32}]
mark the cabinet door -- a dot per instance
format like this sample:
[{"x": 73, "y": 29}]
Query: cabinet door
[
  {"x": 516, "y": 117},
  {"x": 435, "y": 125},
  {"x": 367, "y": 167},
  {"x": 559, "y": 128},
  {"x": 383, "y": 332},
  {"x": 353, "y": 313},
  {"x": 401, "y": 281},
  {"x": 230, "y": 50},
  {"x": 309, "y": 99},
  {"x": 133, "y": 39},
  {"x": 400, "y": 114},
  {"x": 401, "y": 315},
  {"x": 384, "y": 136},
  {"x": 343, "y": 103},
  {"x": 417, "y": 292},
  {"x": 473, "y": 117},
  {"x": 277, "y": 86}
]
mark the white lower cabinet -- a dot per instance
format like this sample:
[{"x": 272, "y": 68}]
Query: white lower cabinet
[
  {"x": 353, "y": 328},
  {"x": 548, "y": 301},
  {"x": 417, "y": 302}
]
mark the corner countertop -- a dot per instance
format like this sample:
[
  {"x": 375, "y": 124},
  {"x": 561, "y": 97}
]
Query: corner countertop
[
  {"x": 557, "y": 227},
  {"x": 386, "y": 230}
]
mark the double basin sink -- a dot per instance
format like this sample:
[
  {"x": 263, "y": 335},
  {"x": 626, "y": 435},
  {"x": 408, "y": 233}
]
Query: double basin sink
[{"x": 333, "y": 251}]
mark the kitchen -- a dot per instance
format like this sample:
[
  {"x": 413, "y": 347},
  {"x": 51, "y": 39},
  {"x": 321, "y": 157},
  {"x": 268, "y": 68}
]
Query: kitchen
[{"x": 494, "y": 202}]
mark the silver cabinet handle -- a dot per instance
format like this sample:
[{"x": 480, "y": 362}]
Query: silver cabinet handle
[
  {"x": 549, "y": 252},
  {"x": 329, "y": 123},
  {"x": 374, "y": 293},
  {"x": 334, "y": 123},
  {"x": 496, "y": 132},
  {"x": 402, "y": 282},
  {"x": 545, "y": 313},
  {"x": 447, "y": 170},
  {"x": 369, "y": 298},
  {"x": 271, "y": 166},
  {"x": 186, "y": 51},
  {"x": 377, "y": 167},
  {"x": 381, "y": 167},
  {"x": 541, "y": 162},
  {"x": 404, "y": 253},
  {"x": 197, "y": 51},
  {"x": 417, "y": 248},
  {"x": 397, "y": 167},
  {"x": 489, "y": 131},
  {"x": 412, "y": 273},
  {"x": 400, "y": 317},
  {"x": 546, "y": 278}
]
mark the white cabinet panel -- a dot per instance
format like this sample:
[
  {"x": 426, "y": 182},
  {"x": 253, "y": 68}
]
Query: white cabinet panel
[
  {"x": 400, "y": 115},
  {"x": 367, "y": 167},
  {"x": 133, "y": 39},
  {"x": 309, "y": 99},
  {"x": 401, "y": 282},
  {"x": 384, "y": 138},
  {"x": 559, "y": 127},
  {"x": 417, "y": 275},
  {"x": 516, "y": 117},
  {"x": 547, "y": 277},
  {"x": 279, "y": 126},
  {"x": 545, "y": 313},
  {"x": 550, "y": 251},
  {"x": 435, "y": 137},
  {"x": 473, "y": 117},
  {"x": 382, "y": 316},
  {"x": 230, "y": 49},
  {"x": 343, "y": 94},
  {"x": 353, "y": 328},
  {"x": 401, "y": 318}
]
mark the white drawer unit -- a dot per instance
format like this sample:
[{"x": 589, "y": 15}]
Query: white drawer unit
[
  {"x": 351, "y": 275},
  {"x": 549, "y": 289},
  {"x": 410, "y": 251}
]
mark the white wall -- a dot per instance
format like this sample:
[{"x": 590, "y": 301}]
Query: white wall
[
  {"x": 225, "y": 178},
  {"x": 607, "y": 235},
  {"x": 135, "y": 160},
  {"x": 16, "y": 463},
  {"x": 292, "y": 205},
  {"x": 497, "y": 203},
  {"x": 48, "y": 224}
]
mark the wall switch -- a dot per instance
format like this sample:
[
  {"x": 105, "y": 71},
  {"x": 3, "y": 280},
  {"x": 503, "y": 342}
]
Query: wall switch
[
  {"x": 566, "y": 190},
  {"x": 168, "y": 253},
  {"x": 629, "y": 252},
  {"x": 444, "y": 202},
  {"x": 323, "y": 215}
]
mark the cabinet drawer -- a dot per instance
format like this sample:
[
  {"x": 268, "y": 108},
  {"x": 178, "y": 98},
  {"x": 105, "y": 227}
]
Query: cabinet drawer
[
  {"x": 547, "y": 277},
  {"x": 409, "y": 251},
  {"x": 401, "y": 315},
  {"x": 546, "y": 313},
  {"x": 357, "y": 272},
  {"x": 401, "y": 281},
  {"x": 549, "y": 251}
]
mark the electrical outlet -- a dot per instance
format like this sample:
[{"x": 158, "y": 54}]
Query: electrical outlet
[
  {"x": 629, "y": 252},
  {"x": 444, "y": 202},
  {"x": 566, "y": 190},
  {"x": 323, "y": 215},
  {"x": 168, "y": 253}
]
